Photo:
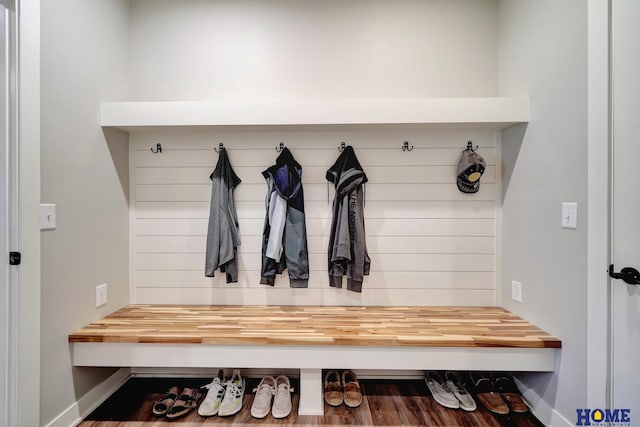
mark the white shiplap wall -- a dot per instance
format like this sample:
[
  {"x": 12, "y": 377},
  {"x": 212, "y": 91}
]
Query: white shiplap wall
[{"x": 429, "y": 243}]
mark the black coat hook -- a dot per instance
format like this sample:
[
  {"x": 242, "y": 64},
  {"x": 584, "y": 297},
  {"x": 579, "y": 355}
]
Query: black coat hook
[
  {"x": 220, "y": 148},
  {"x": 280, "y": 147},
  {"x": 342, "y": 146},
  {"x": 470, "y": 146},
  {"x": 405, "y": 146},
  {"x": 158, "y": 148}
]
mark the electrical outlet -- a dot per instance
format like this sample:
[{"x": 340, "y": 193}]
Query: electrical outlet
[
  {"x": 516, "y": 291},
  {"x": 101, "y": 295}
]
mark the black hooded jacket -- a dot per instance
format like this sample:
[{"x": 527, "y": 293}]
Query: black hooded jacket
[{"x": 284, "y": 237}]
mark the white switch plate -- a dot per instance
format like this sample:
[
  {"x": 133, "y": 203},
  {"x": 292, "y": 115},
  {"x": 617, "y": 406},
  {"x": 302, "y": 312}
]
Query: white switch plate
[
  {"x": 516, "y": 291},
  {"x": 47, "y": 216},
  {"x": 101, "y": 295},
  {"x": 570, "y": 215}
]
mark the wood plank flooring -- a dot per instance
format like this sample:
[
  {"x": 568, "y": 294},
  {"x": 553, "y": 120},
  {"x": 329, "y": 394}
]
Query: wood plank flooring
[
  {"x": 385, "y": 403},
  {"x": 317, "y": 325}
]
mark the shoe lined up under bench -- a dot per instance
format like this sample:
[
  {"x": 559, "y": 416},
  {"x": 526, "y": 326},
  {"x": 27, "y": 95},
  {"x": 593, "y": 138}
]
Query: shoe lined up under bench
[
  {"x": 381, "y": 402},
  {"x": 313, "y": 338}
]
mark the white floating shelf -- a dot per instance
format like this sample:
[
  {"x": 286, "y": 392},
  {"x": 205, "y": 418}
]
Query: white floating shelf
[{"x": 495, "y": 113}]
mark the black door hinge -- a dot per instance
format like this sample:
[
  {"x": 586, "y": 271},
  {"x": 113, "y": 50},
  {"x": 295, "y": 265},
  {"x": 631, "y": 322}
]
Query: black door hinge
[{"x": 15, "y": 258}]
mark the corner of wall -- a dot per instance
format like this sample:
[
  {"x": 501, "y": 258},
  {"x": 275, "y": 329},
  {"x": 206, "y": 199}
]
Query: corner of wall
[
  {"x": 79, "y": 410},
  {"x": 540, "y": 408}
]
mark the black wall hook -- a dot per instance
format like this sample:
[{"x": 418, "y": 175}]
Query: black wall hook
[
  {"x": 280, "y": 147},
  {"x": 158, "y": 148},
  {"x": 405, "y": 146},
  {"x": 220, "y": 148},
  {"x": 470, "y": 146},
  {"x": 342, "y": 146}
]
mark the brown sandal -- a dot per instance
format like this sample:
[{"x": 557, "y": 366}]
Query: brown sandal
[
  {"x": 186, "y": 402},
  {"x": 333, "y": 389},
  {"x": 507, "y": 388},
  {"x": 352, "y": 392},
  {"x": 161, "y": 406}
]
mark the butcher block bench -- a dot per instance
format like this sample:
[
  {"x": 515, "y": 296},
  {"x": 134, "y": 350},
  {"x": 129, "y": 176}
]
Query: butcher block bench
[{"x": 313, "y": 338}]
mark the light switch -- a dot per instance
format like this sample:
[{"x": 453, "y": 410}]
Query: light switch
[
  {"x": 570, "y": 215},
  {"x": 47, "y": 216}
]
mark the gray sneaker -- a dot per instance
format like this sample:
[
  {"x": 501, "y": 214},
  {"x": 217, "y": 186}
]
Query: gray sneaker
[
  {"x": 456, "y": 385},
  {"x": 262, "y": 401},
  {"x": 439, "y": 391}
]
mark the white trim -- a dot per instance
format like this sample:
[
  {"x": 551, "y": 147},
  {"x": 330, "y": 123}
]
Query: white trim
[
  {"x": 541, "y": 409},
  {"x": 311, "y": 357},
  {"x": 598, "y": 255},
  {"x": 496, "y": 112},
  {"x": 132, "y": 223},
  {"x": 75, "y": 413},
  {"x": 5, "y": 230},
  {"x": 497, "y": 283},
  {"x": 25, "y": 304}
]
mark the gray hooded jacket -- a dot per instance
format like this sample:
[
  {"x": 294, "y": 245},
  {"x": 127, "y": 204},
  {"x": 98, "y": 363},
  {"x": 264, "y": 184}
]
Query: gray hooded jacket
[
  {"x": 347, "y": 243},
  {"x": 223, "y": 237}
]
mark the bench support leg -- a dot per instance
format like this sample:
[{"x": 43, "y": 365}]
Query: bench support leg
[{"x": 311, "y": 400}]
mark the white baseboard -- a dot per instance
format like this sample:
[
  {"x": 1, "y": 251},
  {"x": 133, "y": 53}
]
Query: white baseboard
[
  {"x": 542, "y": 410},
  {"x": 90, "y": 401}
]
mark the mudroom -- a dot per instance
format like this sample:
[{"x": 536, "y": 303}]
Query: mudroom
[{"x": 324, "y": 212}]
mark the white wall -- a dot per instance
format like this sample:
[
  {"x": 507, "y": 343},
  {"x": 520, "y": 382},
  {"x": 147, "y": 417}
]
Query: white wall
[
  {"x": 543, "y": 53},
  {"x": 84, "y": 47},
  {"x": 429, "y": 243},
  {"x": 195, "y": 50},
  {"x": 202, "y": 50}
]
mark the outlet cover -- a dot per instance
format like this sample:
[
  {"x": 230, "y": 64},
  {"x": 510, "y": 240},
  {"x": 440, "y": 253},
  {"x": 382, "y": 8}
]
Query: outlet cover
[
  {"x": 101, "y": 295},
  {"x": 516, "y": 291}
]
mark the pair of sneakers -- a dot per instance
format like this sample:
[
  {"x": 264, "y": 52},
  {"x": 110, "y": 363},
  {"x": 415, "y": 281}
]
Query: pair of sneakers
[
  {"x": 280, "y": 387},
  {"x": 224, "y": 398},
  {"x": 450, "y": 390}
]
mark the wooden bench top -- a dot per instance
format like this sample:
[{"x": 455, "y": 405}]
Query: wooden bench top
[{"x": 316, "y": 325}]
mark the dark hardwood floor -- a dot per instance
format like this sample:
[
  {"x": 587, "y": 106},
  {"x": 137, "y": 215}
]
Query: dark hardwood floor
[{"x": 385, "y": 403}]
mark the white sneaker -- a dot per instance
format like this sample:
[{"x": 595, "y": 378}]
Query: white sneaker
[
  {"x": 262, "y": 400},
  {"x": 439, "y": 391},
  {"x": 456, "y": 385},
  {"x": 232, "y": 400},
  {"x": 282, "y": 401},
  {"x": 211, "y": 402}
]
